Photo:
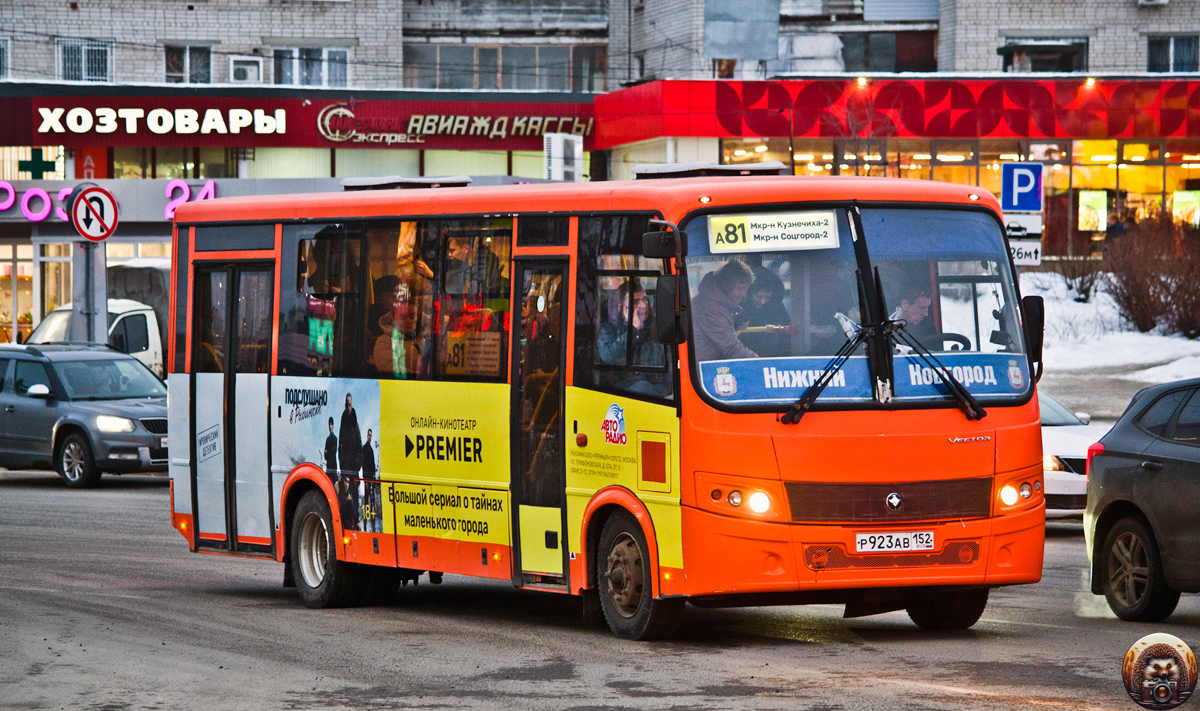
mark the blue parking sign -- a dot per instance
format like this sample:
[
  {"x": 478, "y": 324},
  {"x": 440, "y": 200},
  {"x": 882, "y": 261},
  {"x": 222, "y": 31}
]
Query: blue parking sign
[{"x": 1021, "y": 189}]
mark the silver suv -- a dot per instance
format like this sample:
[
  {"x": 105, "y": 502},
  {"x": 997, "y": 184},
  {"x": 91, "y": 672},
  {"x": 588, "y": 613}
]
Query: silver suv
[{"x": 82, "y": 409}]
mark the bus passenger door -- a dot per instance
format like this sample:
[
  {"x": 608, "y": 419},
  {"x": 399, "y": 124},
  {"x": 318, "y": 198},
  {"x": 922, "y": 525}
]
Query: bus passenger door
[
  {"x": 231, "y": 356},
  {"x": 538, "y": 471}
]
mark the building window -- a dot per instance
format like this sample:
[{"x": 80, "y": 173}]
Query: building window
[
  {"x": 82, "y": 59},
  {"x": 188, "y": 65},
  {"x": 548, "y": 68},
  {"x": 890, "y": 51},
  {"x": 5, "y": 53},
  {"x": 312, "y": 66},
  {"x": 1173, "y": 54},
  {"x": 1044, "y": 55}
]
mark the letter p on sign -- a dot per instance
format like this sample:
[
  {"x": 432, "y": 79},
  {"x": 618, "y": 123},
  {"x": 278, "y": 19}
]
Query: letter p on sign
[{"x": 1021, "y": 189}]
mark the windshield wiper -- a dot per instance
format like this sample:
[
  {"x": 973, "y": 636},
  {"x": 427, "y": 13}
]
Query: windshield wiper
[
  {"x": 801, "y": 406},
  {"x": 970, "y": 406}
]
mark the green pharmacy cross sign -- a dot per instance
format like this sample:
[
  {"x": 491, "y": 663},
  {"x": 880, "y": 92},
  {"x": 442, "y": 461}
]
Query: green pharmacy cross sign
[{"x": 37, "y": 165}]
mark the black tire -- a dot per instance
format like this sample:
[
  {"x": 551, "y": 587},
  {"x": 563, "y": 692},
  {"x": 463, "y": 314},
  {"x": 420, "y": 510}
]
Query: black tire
[
  {"x": 948, "y": 609},
  {"x": 625, "y": 585},
  {"x": 321, "y": 579},
  {"x": 1132, "y": 573},
  {"x": 74, "y": 462}
]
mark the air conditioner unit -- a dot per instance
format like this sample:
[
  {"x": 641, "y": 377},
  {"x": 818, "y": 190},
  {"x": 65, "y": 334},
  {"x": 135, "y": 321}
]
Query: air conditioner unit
[
  {"x": 245, "y": 70},
  {"x": 563, "y": 157},
  {"x": 1151, "y": 3}
]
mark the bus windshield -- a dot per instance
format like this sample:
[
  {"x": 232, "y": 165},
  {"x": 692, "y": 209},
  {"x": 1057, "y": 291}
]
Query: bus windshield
[{"x": 774, "y": 295}]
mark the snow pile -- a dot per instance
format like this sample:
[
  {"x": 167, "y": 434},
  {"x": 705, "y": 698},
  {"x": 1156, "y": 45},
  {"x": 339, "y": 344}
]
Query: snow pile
[{"x": 1093, "y": 336}]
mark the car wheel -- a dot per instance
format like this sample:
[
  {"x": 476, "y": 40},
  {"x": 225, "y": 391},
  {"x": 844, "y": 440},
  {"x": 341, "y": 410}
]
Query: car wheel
[
  {"x": 321, "y": 579},
  {"x": 75, "y": 463},
  {"x": 626, "y": 590},
  {"x": 948, "y": 610},
  {"x": 1133, "y": 579}
]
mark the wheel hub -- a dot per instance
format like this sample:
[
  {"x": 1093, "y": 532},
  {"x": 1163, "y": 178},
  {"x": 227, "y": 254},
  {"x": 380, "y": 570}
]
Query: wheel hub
[
  {"x": 314, "y": 549},
  {"x": 625, "y": 576},
  {"x": 1128, "y": 569}
]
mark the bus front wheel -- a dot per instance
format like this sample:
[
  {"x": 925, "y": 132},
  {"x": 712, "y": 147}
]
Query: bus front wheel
[
  {"x": 624, "y": 580},
  {"x": 948, "y": 610},
  {"x": 321, "y": 579}
]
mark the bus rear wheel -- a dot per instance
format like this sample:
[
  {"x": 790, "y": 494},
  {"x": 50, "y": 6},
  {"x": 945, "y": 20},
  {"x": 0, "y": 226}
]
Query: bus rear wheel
[
  {"x": 626, "y": 590},
  {"x": 321, "y": 579},
  {"x": 948, "y": 610}
]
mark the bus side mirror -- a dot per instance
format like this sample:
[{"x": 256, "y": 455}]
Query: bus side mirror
[
  {"x": 670, "y": 325},
  {"x": 1034, "y": 310},
  {"x": 663, "y": 245}
]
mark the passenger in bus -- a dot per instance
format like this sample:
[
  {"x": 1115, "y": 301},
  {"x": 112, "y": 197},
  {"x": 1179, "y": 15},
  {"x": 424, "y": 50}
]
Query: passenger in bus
[
  {"x": 613, "y": 341},
  {"x": 394, "y": 351},
  {"x": 914, "y": 311},
  {"x": 764, "y": 324},
  {"x": 458, "y": 266},
  {"x": 714, "y": 310}
]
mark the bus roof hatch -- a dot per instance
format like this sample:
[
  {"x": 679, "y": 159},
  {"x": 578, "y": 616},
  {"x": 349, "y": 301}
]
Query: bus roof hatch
[
  {"x": 396, "y": 182},
  {"x": 650, "y": 171}
]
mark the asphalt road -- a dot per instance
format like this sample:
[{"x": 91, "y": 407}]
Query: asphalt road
[{"x": 103, "y": 608}]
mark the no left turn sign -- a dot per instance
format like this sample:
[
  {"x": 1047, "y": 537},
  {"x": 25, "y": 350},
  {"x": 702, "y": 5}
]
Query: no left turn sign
[{"x": 94, "y": 214}]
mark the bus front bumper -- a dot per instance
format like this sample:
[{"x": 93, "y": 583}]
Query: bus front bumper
[{"x": 727, "y": 555}]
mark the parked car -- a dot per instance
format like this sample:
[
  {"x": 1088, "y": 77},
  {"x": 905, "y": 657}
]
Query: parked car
[
  {"x": 133, "y": 328},
  {"x": 1141, "y": 524},
  {"x": 1066, "y": 437},
  {"x": 81, "y": 409}
]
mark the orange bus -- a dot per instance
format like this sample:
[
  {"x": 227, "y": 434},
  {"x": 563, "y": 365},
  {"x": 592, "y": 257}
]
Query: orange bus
[{"x": 718, "y": 390}]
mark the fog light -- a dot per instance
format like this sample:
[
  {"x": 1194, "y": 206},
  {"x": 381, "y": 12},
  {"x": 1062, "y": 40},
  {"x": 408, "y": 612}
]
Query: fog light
[
  {"x": 1008, "y": 495},
  {"x": 759, "y": 502},
  {"x": 1026, "y": 490},
  {"x": 735, "y": 498}
]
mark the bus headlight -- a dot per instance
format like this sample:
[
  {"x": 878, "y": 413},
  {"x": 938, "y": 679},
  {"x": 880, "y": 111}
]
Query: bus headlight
[
  {"x": 109, "y": 423},
  {"x": 735, "y": 498},
  {"x": 1026, "y": 490},
  {"x": 759, "y": 502},
  {"x": 1008, "y": 495}
]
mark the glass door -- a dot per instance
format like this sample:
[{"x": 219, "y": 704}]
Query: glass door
[
  {"x": 539, "y": 475},
  {"x": 231, "y": 364}
]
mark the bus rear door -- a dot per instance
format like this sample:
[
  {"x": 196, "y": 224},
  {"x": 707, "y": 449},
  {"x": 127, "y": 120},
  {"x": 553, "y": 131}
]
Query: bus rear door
[
  {"x": 233, "y": 310},
  {"x": 538, "y": 471}
]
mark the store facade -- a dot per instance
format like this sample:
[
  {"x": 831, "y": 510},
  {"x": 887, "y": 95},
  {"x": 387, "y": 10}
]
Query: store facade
[
  {"x": 1113, "y": 147},
  {"x": 155, "y": 147}
]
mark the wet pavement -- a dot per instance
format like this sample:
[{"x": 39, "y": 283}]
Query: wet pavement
[{"x": 103, "y": 608}]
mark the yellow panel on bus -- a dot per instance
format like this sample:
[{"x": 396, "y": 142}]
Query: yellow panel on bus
[
  {"x": 444, "y": 433},
  {"x": 632, "y": 444}
]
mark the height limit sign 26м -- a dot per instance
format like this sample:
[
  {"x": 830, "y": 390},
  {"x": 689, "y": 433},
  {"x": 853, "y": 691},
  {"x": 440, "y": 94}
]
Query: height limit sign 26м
[{"x": 94, "y": 214}]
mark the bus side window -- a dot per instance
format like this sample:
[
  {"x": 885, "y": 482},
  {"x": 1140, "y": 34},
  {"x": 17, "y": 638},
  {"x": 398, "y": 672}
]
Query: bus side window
[
  {"x": 473, "y": 308},
  {"x": 614, "y": 347},
  {"x": 402, "y": 268},
  {"x": 320, "y": 323}
]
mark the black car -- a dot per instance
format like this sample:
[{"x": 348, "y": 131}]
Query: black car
[
  {"x": 1142, "y": 522},
  {"x": 82, "y": 409}
]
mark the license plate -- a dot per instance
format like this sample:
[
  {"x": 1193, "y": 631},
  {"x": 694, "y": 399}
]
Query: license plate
[
  {"x": 893, "y": 541},
  {"x": 162, "y": 442}
]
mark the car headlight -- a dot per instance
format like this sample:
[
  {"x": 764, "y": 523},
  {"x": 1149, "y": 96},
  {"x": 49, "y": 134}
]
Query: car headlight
[
  {"x": 1051, "y": 463},
  {"x": 110, "y": 423}
]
